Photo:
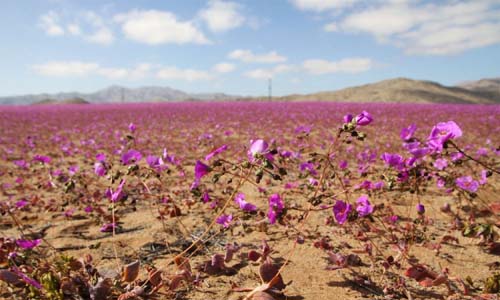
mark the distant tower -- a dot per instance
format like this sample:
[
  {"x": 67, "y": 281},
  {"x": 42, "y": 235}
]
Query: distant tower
[
  {"x": 123, "y": 95},
  {"x": 270, "y": 89}
]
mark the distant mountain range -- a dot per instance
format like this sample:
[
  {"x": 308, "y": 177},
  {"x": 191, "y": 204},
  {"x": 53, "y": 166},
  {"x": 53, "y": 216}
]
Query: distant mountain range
[{"x": 401, "y": 90}]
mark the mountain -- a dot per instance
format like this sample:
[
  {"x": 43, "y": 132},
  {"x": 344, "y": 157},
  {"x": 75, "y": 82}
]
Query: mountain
[
  {"x": 401, "y": 90},
  {"x": 489, "y": 87},
  {"x": 65, "y": 101},
  {"x": 118, "y": 94}
]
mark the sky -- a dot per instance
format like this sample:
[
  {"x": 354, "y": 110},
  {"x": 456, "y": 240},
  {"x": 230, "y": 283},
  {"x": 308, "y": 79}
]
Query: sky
[{"x": 235, "y": 46}]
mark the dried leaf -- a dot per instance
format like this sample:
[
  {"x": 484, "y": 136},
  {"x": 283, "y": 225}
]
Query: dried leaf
[
  {"x": 261, "y": 296},
  {"x": 9, "y": 277},
  {"x": 267, "y": 271},
  {"x": 101, "y": 290},
  {"x": 131, "y": 271}
]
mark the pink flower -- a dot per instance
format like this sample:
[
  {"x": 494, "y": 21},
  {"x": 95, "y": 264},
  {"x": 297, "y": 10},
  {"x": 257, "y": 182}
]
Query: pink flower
[
  {"x": 440, "y": 164},
  {"x": 28, "y": 244},
  {"x": 276, "y": 207},
  {"x": 244, "y": 205},
  {"x": 364, "y": 118},
  {"x": 224, "y": 220},
  {"x": 467, "y": 183},
  {"x": 407, "y": 133},
  {"x": 216, "y": 152},
  {"x": 441, "y": 133},
  {"x": 364, "y": 207},
  {"x": 341, "y": 211}
]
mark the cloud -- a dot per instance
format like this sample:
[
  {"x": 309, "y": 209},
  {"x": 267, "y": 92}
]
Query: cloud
[
  {"x": 322, "y": 5},
  {"x": 183, "y": 74},
  {"x": 347, "y": 65},
  {"x": 331, "y": 27},
  {"x": 269, "y": 73},
  {"x": 442, "y": 28},
  {"x": 222, "y": 16},
  {"x": 49, "y": 22},
  {"x": 65, "y": 68},
  {"x": 224, "y": 67},
  {"x": 95, "y": 29},
  {"x": 249, "y": 57},
  {"x": 80, "y": 69},
  {"x": 102, "y": 36},
  {"x": 154, "y": 27}
]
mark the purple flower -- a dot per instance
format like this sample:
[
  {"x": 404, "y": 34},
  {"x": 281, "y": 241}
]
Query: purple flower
[
  {"x": 309, "y": 167},
  {"x": 258, "y": 149},
  {"x": 484, "y": 177},
  {"x": 276, "y": 207},
  {"x": 343, "y": 165},
  {"x": 341, "y": 211},
  {"x": 200, "y": 170},
  {"x": 21, "y": 164},
  {"x": 215, "y": 152},
  {"x": 156, "y": 163},
  {"x": 364, "y": 207},
  {"x": 407, "y": 133},
  {"x": 28, "y": 244},
  {"x": 441, "y": 133},
  {"x": 467, "y": 183},
  {"x": 41, "y": 158},
  {"x": 393, "y": 160},
  {"x": 100, "y": 157},
  {"x": 27, "y": 279},
  {"x": 224, "y": 220},
  {"x": 364, "y": 118},
  {"x": 118, "y": 194},
  {"x": 99, "y": 169},
  {"x": 440, "y": 164},
  {"x": 21, "y": 203},
  {"x": 348, "y": 118},
  {"x": 205, "y": 197},
  {"x": 131, "y": 156},
  {"x": 244, "y": 205},
  {"x": 73, "y": 170},
  {"x": 132, "y": 127},
  {"x": 108, "y": 227},
  {"x": 420, "y": 208},
  {"x": 88, "y": 209}
]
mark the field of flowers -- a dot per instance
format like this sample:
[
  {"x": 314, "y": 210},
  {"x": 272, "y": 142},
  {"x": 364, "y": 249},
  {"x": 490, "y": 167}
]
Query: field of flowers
[{"x": 250, "y": 201}]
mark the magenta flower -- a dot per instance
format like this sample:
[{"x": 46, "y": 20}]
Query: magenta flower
[
  {"x": 341, "y": 211},
  {"x": 21, "y": 164},
  {"x": 100, "y": 157},
  {"x": 27, "y": 279},
  {"x": 258, "y": 149},
  {"x": 224, "y": 220},
  {"x": 441, "y": 133},
  {"x": 467, "y": 183},
  {"x": 276, "y": 207},
  {"x": 108, "y": 227},
  {"x": 420, "y": 208},
  {"x": 200, "y": 170},
  {"x": 205, "y": 197},
  {"x": 364, "y": 118},
  {"x": 21, "y": 203},
  {"x": 394, "y": 160},
  {"x": 118, "y": 194},
  {"x": 440, "y": 164},
  {"x": 348, "y": 118},
  {"x": 484, "y": 177},
  {"x": 216, "y": 152},
  {"x": 99, "y": 169},
  {"x": 364, "y": 207},
  {"x": 244, "y": 205},
  {"x": 408, "y": 132},
  {"x": 156, "y": 163},
  {"x": 131, "y": 156},
  {"x": 73, "y": 170},
  {"x": 28, "y": 244},
  {"x": 132, "y": 127},
  {"x": 41, "y": 158}
]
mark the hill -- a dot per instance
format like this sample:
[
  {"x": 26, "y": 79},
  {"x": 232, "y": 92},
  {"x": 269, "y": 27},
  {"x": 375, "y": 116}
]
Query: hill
[
  {"x": 489, "y": 87},
  {"x": 400, "y": 90}
]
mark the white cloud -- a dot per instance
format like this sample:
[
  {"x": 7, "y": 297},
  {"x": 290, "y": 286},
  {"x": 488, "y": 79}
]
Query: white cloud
[
  {"x": 156, "y": 27},
  {"x": 269, "y": 73},
  {"x": 322, "y": 5},
  {"x": 249, "y": 57},
  {"x": 74, "y": 29},
  {"x": 347, "y": 65},
  {"x": 444, "y": 28},
  {"x": 222, "y": 16},
  {"x": 80, "y": 68},
  {"x": 49, "y": 22},
  {"x": 102, "y": 36},
  {"x": 65, "y": 68},
  {"x": 224, "y": 67},
  {"x": 183, "y": 74},
  {"x": 331, "y": 27}
]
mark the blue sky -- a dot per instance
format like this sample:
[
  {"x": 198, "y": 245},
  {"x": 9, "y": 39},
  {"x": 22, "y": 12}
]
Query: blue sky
[{"x": 235, "y": 46}]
